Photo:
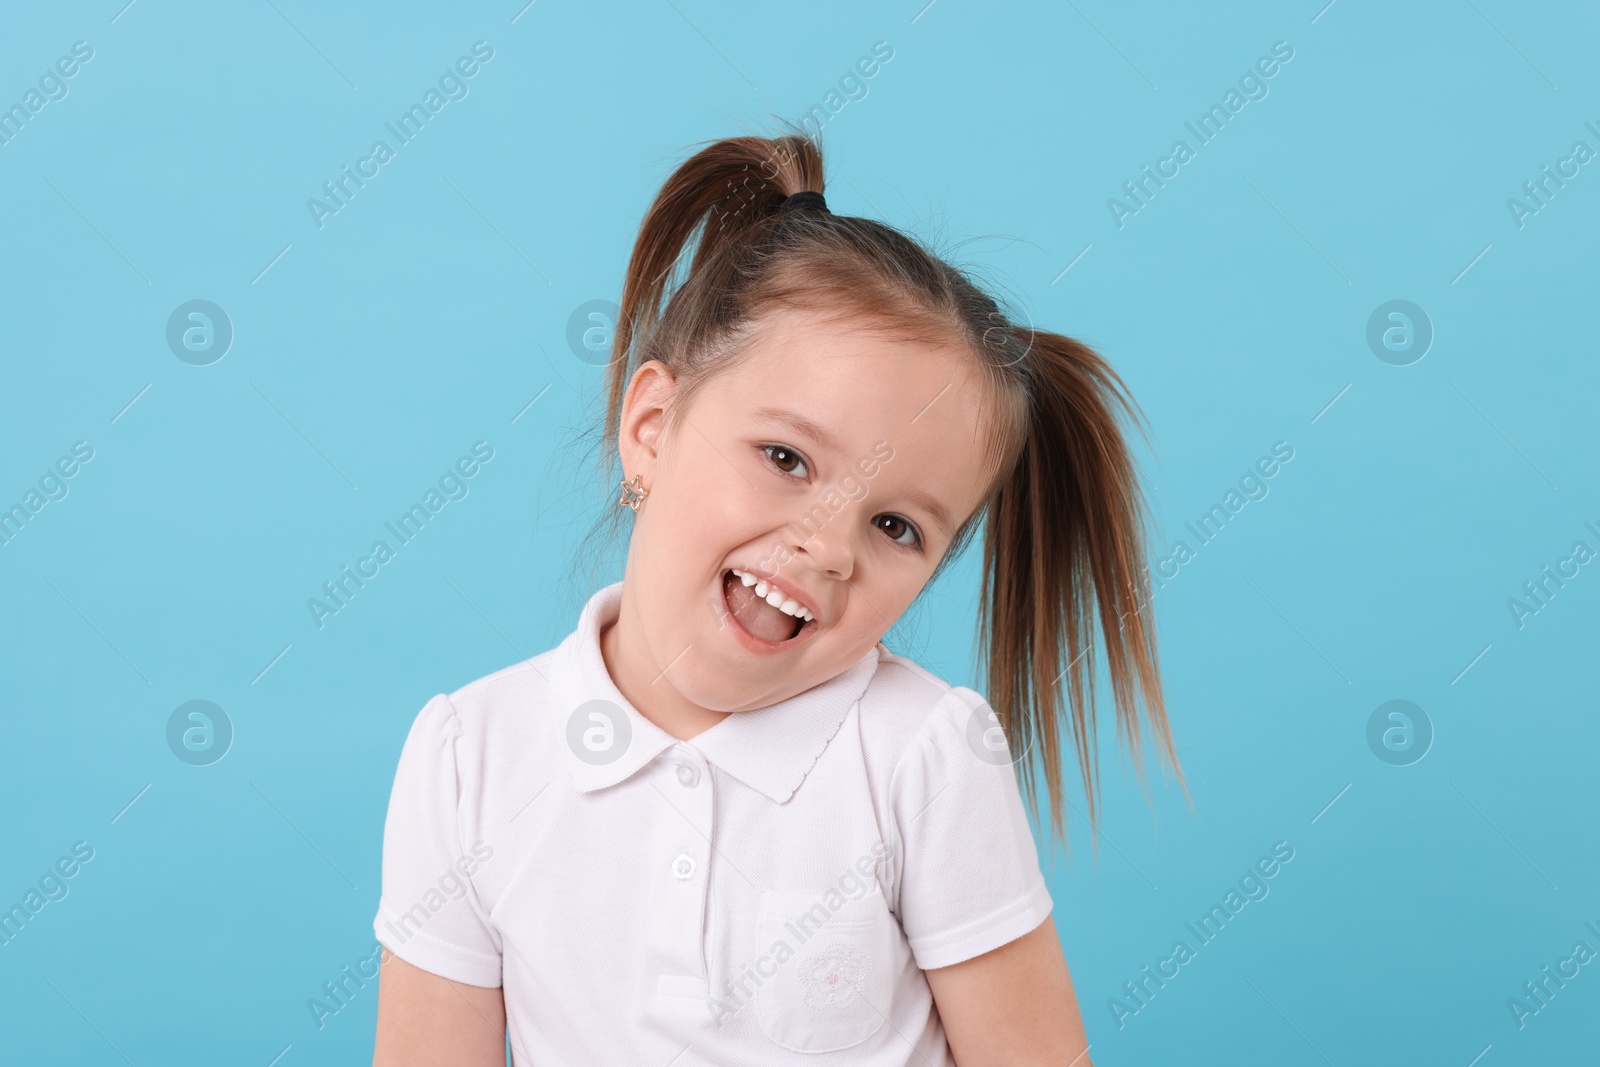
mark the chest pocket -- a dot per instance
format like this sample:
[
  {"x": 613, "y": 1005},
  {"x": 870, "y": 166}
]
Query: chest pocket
[{"x": 833, "y": 992}]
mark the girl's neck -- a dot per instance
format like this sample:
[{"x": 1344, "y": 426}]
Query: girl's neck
[{"x": 646, "y": 687}]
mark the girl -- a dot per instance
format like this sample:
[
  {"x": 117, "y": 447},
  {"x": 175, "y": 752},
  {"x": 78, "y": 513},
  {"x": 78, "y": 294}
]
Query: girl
[{"x": 721, "y": 823}]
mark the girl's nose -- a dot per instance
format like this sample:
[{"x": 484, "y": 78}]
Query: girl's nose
[{"x": 829, "y": 544}]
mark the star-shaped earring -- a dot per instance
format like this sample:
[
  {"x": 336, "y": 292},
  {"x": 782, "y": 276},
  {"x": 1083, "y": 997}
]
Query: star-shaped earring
[{"x": 633, "y": 495}]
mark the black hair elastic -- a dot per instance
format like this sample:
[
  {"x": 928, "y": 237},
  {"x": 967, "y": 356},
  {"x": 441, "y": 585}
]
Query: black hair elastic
[{"x": 805, "y": 199}]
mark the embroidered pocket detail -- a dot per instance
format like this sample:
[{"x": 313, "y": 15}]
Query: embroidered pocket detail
[
  {"x": 832, "y": 987},
  {"x": 834, "y": 979}
]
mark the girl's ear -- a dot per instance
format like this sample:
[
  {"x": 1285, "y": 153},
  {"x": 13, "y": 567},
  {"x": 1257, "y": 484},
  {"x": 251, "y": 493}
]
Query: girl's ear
[{"x": 641, "y": 433}]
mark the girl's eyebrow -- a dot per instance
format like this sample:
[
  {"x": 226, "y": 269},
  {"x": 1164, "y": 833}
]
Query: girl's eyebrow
[
  {"x": 802, "y": 424},
  {"x": 932, "y": 506}
]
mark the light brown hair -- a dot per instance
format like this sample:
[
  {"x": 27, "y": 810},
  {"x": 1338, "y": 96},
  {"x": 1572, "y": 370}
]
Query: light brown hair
[{"x": 1063, "y": 542}]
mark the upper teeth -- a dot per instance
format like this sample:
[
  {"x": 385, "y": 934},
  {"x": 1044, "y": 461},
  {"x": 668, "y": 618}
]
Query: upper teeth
[{"x": 773, "y": 597}]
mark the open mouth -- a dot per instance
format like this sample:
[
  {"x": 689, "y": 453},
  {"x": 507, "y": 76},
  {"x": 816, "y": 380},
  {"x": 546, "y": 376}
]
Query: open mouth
[{"x": 757, "y": 616}]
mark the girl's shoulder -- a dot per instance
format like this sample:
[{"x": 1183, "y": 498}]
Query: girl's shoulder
[
  {"x": 512, "y": 690},
  {"x": 962, "y": 871},
  {"x": 907, "y": 706},
  {"x": 498, "y": 714}
]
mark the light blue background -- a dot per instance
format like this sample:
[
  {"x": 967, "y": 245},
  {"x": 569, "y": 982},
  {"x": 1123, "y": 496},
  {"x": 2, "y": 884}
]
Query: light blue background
[{"x": 429, "y": 312}]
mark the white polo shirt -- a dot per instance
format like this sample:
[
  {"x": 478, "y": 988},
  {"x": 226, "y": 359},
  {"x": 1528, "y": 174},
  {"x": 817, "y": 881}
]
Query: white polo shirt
[{"x": 769, "y": 891}]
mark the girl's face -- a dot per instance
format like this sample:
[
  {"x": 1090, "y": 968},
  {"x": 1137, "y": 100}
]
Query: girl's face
[{"x": 834, "y": 465}]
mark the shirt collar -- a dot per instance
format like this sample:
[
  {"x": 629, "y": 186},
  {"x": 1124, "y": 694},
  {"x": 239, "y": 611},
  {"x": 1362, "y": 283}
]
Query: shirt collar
[{"x": 769, "y": 749}]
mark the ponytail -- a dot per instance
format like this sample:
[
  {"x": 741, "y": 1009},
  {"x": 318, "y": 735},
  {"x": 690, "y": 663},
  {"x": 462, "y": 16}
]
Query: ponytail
[
  {"x": 726, "y": 191},
  {"x": 1064, "y": 533}
]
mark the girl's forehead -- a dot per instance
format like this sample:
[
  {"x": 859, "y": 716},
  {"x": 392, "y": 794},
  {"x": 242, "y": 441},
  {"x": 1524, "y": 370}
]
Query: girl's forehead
[
  {"x": 849, "y": 361},
  {"x": 862, "y": 384},
  {"x": 788, "y": 327}
]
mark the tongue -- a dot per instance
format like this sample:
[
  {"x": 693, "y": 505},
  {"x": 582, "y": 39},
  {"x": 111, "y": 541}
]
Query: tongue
[{"x": 756, "y": 615}]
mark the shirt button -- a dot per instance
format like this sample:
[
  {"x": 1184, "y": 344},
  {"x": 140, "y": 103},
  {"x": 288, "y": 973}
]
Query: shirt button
[
  {"x": 688, "y": 775},
  {"x": 683, "y": 866}
]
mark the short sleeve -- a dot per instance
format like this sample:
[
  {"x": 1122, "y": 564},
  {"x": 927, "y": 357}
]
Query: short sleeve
[
  {"x": 429, "y": 913},
  {"x": 969, "y": 878}
]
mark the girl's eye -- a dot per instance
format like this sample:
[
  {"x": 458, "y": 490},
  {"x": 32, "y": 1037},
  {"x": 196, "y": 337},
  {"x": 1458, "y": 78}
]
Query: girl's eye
[
  {"x": 793, "y": 465},
  {"x": 898, "y": 528},
  {"x": 784, "y": 458}
]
